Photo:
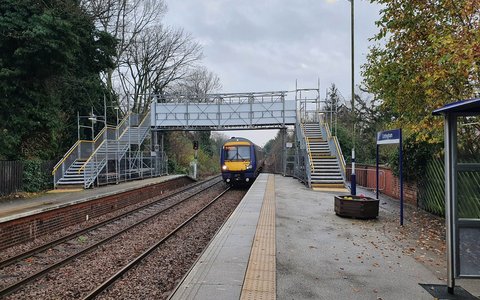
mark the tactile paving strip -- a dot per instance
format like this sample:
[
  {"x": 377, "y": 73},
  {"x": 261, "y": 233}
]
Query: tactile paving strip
[{"x": 259, "y": 280}]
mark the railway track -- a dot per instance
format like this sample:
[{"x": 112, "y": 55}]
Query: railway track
[
  {"x": 40, "y": 260},
  {"x": 137, "y": 260}
]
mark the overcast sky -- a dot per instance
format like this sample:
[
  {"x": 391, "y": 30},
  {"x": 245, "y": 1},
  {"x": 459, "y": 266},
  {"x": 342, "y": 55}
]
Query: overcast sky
[{"x": 265, "y": 45}]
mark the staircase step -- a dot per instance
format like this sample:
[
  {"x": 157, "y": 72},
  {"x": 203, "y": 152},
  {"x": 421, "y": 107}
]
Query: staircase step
[
  {"x": 320, "y": 171},
  {"x": 338, "y": 181},
  {"x": 326, "y": 185},
  {"x": 327, "y": 177},
  {"x": 70, "y": 182}
]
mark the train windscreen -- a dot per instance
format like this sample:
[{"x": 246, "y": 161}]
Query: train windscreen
[{"x": 237, "y": 152}]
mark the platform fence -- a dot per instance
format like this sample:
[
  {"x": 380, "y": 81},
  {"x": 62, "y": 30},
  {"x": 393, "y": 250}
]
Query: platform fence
[{"x": 19, "y": 176}]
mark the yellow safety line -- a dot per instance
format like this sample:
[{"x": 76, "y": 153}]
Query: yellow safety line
[{"x": 260, "y": 278}]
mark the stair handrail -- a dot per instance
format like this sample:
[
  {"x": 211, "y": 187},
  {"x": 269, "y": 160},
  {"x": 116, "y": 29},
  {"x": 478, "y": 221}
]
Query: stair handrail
[
  {"x": 70, "y": 151},
  {"x": 117, "y": 140},
  {"x": 302, "y": 139},
  {"x": 338, "y": 149},
  {"x": 101, "y": 134},
  {"x": 91, "y": 156},
  {"x": 87, "y": 181},
  {"x": 147, "y": 114},
  {"x": 65, "y": 156},
  {"x": 99, "y": 140},
  {"x": 68, "y": 158},
  {"x": 312, "y": 166},
  {"x": 75, "y": 147}
]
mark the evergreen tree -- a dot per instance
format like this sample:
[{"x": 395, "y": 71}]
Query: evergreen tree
[{"x": 50, "y": 59}]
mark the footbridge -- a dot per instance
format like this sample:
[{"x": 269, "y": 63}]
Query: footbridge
[
  {"x": 238, "y": 111},
  {"x": 310, "y": 152}
]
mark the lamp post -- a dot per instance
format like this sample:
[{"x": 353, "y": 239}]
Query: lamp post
[{"x": 353, "y": 189}]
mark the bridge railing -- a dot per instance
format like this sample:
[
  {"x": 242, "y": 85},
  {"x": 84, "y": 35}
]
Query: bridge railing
[
  {"x": 333, "y": 145},
  {"x": 303, "y": 162},
  {"x": 222, "y": 111}
]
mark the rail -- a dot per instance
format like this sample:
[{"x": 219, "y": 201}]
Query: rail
[
  {"x": 63, "y": 261},
  {"x": 338, "y": 149},
  {"x": 90, "y": 157},
  {"x": 107, "y": 283},
  {"x": 340, "y": 154},
  {"x": 303, "y": 169}
]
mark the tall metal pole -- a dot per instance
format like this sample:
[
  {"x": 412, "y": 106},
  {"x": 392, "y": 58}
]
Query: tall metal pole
[
  {"x": 105, "y": 133},
  {"x": 353, "y": 177},
  {"x": 450, "y": 125}
]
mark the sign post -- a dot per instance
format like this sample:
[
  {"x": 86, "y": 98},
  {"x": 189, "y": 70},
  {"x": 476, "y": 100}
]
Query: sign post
[{"x": 386, "y": 138}]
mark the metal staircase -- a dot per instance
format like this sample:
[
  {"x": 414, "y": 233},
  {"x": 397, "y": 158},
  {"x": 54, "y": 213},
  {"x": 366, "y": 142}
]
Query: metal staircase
[
  {"x": 324, "y": 166},
  {"x": 86, "y": 160}
]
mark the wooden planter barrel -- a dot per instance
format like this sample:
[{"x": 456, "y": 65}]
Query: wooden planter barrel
[{"x": 358, "y": 207}]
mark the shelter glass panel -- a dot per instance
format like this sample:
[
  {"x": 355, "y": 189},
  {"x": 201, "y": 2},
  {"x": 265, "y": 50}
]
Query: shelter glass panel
[
  {"x": 468, "y": 139},
  {"x": 468, "y": 197},
  {"x": 469, "y": 250}
]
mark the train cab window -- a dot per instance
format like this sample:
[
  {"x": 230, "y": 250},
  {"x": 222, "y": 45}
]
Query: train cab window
[{"x": 237, "y": 153}]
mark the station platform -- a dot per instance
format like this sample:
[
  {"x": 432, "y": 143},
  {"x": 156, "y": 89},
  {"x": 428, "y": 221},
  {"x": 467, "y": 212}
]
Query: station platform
[
  {"x": 18, "y": 208},
  {"x": 284, "y": 241}
]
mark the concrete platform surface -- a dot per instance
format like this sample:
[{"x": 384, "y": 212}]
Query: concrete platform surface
[
  {"x": 17, "y": 208},
  {"x": 219, "y": 272},
  {"x": 318, "y": 254},
  {"x": 323, "y": 256}
]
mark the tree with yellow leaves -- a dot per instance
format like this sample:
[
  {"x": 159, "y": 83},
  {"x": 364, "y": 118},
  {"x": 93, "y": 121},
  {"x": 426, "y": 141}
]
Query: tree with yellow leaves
[{"x": 428, "y": 54}]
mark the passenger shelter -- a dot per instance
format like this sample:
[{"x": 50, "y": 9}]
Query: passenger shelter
[{"x": 462, "y": 189}]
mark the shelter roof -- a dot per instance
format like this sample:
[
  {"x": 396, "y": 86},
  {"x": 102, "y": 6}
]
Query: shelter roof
[{"x": 464, "y": 106}]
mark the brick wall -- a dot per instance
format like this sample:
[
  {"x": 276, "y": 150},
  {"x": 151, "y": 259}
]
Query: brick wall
[
  {"x": 389, "y": 184},
  {"x": 28, "y": 228}
]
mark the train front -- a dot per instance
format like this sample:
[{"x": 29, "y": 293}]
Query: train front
[{"x": 238, "y": 161}]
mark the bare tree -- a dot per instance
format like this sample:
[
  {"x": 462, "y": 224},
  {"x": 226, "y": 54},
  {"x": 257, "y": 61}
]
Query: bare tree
[
  {"x": 125, "y": 20},
  {"x": 157, "y": 57},
  {"x": 198, "y": 83}
]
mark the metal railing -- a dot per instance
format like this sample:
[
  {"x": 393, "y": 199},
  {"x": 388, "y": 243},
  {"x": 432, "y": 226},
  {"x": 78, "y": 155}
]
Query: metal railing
[
  {"x": 334, "y": 147},
  {"x": 303, "y": 161},
  {"x": 112, "y": 142},
  {"x": 117, "y": 148}
]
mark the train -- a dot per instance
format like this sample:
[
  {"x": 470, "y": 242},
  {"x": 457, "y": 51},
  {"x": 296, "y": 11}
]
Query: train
[{"x": 241, "y": 161}]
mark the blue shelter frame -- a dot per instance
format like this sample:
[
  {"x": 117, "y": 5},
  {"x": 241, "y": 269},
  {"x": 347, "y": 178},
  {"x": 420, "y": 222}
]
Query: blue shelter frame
[{"x": 462, "y": 233}]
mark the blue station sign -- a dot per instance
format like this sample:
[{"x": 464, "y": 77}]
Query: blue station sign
[{"x": 388, "y": 137}]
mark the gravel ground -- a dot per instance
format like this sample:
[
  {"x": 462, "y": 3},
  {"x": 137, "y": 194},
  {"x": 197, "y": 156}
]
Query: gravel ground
[
  {"x": 160, "y": 272},
  {"x": 13, "y": 273},
  {"x": 78, "y": 278}
]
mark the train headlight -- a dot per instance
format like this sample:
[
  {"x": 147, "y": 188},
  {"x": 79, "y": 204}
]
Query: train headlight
[
  {"x": 249, "y": 167},
  {"x": 224, "y": 167}
]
